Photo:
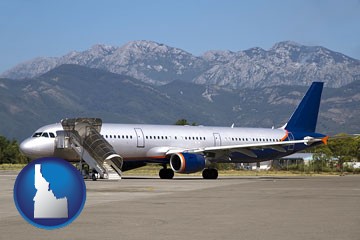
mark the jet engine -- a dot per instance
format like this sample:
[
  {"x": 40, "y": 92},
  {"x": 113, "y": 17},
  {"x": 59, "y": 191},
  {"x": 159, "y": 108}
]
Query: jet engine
[{"x": 187, "y": 162}]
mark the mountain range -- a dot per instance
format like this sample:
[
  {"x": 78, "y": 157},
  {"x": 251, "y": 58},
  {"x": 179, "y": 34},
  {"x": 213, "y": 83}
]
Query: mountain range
[
  {"x": 72, "y": 90},
  {"x": 286, "y": 63}
]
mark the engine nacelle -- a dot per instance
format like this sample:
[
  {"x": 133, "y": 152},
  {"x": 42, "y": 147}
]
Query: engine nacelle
[{"x": 187, "y": 162}]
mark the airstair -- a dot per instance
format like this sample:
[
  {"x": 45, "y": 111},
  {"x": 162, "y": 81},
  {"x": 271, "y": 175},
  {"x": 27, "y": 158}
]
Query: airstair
[{"x": 83, "y": 136}]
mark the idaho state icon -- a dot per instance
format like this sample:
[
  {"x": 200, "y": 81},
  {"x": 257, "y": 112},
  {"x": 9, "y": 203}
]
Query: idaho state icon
[{"x": 49, "y": 193}]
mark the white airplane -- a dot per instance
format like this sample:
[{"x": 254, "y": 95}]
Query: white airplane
[{"x": 189, "y": 149}]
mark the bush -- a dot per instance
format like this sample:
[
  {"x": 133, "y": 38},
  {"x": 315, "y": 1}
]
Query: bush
[{"x": 10, "y": 152}]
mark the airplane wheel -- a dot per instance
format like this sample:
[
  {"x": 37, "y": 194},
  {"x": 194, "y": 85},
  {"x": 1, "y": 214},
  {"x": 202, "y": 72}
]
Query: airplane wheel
[
  {"x": 210, "y": 173},
  {"x": 206, "y": 173},
  {"x": 214, "y": 173},
  {"x": 166, "y": 173},
  {"x": 93, "y": 177}
]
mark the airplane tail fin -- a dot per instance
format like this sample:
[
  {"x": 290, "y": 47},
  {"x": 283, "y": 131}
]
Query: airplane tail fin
[{"x": 305, "y": 117}]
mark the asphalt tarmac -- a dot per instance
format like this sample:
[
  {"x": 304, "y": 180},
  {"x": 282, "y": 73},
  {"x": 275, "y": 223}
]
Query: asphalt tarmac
[{"x": 193, "y": 208}]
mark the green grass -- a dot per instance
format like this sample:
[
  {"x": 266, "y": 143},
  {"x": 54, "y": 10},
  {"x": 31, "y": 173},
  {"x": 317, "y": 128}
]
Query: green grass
[{"x": 16, "y": 167}]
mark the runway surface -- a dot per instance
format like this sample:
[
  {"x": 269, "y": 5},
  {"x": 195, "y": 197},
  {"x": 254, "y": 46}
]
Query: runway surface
[{"x": 193, "y": 208}]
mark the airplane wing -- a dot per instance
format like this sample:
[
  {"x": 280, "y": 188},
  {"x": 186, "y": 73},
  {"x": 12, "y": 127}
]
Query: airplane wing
[{"x": 247, "y": 148}]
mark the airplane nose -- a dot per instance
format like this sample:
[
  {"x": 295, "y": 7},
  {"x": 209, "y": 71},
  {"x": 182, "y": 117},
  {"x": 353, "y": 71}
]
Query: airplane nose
[
  {"x": 37, "y": 147},
  {"x": 26, "y": 147}
]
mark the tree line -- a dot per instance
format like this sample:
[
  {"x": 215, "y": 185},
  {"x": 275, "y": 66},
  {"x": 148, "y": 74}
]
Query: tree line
[
  {"x": 340, "y": 149},
  {"x": 10, "y": 152}
]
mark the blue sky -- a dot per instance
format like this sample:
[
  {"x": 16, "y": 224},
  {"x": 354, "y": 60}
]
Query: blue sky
[{"x": 53, "y": 28}]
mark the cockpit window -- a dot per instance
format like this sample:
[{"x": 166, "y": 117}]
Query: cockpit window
[
  {"x": 37, "y": 134},
  {"x": 45, "y": 134}
]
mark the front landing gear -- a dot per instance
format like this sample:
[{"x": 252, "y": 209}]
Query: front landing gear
[
  {"x": 210, "y": 173},
  {"x": 166, "y": 173}
]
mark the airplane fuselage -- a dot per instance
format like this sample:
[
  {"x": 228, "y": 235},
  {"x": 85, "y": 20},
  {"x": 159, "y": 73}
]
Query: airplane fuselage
[
  {"x": 186, "y": 149},
  {"x": 139, "y": 142}
]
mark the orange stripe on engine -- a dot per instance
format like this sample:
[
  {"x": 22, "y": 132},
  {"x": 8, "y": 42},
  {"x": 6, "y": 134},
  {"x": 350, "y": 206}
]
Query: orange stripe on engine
[{"x": 183, "y": 163}]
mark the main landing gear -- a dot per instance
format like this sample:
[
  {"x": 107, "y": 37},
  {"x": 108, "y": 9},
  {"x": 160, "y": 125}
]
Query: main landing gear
[
  {"x": 210, "y": 173},
  {"x": 207, "y": 173},
  {"x": 166, "y": 173}
]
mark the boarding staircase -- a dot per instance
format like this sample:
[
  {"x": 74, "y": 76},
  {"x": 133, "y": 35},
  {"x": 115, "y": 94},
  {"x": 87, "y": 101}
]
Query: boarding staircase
[{"x": 83, "y": 136}]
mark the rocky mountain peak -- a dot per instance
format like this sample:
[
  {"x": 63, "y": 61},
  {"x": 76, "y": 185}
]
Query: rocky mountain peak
[
  {"x": 309, "y": 54},
  {"x": 145, "y": 46},
  {"x": 155, "y": 63},
  {"x": 102, "y": 49},
  {"x": 286, "y": 45},
  {"x": 218, "y": 56}
]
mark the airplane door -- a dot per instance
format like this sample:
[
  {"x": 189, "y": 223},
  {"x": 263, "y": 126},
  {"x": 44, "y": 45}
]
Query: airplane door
[
  {"x": 217, "y": 139},
  {"x": 140, "y": 138}
]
